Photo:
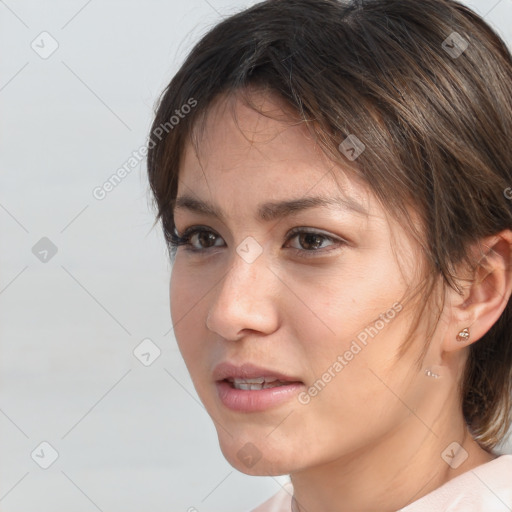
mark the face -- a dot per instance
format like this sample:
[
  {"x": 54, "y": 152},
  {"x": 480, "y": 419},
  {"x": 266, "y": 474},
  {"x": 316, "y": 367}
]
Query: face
[{"x": 308, "y": 297}]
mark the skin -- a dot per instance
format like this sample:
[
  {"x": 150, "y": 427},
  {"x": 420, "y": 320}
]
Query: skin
[{"x": 373, "y": 437}]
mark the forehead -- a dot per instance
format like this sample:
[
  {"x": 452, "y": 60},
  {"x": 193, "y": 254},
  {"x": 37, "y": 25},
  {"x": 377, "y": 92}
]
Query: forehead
[{"x": 261, "y": 149}]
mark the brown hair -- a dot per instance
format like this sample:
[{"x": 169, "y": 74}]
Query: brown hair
[{"x": 426, "y": 86}]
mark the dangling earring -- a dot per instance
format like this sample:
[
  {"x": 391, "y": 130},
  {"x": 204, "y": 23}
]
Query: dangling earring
[{"x": 463, "y": 335}]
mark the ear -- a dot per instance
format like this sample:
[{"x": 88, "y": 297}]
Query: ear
[{"x": 486, "y": 290}]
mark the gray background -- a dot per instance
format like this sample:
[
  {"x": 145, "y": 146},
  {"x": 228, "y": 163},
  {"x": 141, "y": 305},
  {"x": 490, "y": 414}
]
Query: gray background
[{"x": 129, "y": 437}]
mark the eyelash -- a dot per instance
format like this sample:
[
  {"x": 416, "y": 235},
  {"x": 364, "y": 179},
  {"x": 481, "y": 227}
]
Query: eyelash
[{"x": 176, "y": 240}]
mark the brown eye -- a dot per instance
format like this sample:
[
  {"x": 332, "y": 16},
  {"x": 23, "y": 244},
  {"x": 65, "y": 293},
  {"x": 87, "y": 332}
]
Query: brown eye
[
  {"x": 310, "y": 244},
  {"x": 197, "y": 239},
  {"x": 205, "y": 238},
  {"x": 309, "y": 240}
]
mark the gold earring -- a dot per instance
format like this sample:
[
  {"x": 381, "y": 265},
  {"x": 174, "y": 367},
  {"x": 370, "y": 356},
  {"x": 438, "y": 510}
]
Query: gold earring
[{"x": 463, "y": 335}]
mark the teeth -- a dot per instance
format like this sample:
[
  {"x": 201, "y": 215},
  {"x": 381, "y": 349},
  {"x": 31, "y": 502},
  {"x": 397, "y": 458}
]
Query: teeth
[
  {"x": 257, "y": 380},
  {"x": 257, "y": 383}
]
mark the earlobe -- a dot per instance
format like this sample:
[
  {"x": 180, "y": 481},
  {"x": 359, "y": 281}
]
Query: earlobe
[{"x": 486, "y": 292}]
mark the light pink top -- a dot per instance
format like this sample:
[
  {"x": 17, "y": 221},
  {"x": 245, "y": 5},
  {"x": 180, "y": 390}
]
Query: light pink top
[{"x": 486, "y": 488}]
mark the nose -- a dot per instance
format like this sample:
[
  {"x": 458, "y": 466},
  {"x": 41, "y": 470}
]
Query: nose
[{"x": 244, "y": 300}]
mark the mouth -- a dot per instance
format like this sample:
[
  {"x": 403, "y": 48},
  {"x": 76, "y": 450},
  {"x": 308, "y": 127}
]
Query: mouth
[
  {"x": 258, "y": 383},
  {"x": 248, "y": 388}
]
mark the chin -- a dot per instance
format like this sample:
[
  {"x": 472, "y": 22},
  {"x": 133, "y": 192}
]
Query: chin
[{"x": 251, "y": 458}]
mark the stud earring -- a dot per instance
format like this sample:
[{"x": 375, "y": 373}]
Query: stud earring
[{"x": 463, "y": 335}]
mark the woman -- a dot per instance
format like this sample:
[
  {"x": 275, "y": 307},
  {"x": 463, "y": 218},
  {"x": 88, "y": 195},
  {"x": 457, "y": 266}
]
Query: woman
[{"x": 331, "y": 177}]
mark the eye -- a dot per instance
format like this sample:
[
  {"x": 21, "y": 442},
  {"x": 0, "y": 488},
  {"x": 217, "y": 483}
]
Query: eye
[
  {"x": 312, "y": 241},
  {"x": 196, "y": 239}
]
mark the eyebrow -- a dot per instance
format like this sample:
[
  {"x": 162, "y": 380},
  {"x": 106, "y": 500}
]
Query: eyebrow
[{"x": 271, "y": 211}]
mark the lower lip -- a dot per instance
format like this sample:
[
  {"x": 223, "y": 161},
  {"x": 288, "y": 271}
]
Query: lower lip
[{"x": 242, "y": 400}]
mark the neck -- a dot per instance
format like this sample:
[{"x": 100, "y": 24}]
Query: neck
[{"x": 396, "y": 470}]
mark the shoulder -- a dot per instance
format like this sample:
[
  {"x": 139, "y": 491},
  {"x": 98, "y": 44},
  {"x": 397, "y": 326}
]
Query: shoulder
[
  {"x": 486, "y": 488},
  {"x": 280, "y": 502}
]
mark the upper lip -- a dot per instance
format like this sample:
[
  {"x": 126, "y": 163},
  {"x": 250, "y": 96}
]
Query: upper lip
[{"x": 228, "y": 370}]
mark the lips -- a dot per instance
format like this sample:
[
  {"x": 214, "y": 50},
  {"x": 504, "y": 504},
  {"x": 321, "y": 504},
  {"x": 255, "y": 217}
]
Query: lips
[{"x": 247, "y": 388}]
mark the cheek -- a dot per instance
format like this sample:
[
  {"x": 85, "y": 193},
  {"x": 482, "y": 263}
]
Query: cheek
[
  {"x": 340, "y": 304},
  {"x": 187, "y": 312},
  {"x": 186, "y": 290},
  {"x": 358, "y": 329},
  {"x": 358, "y": 384}
]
